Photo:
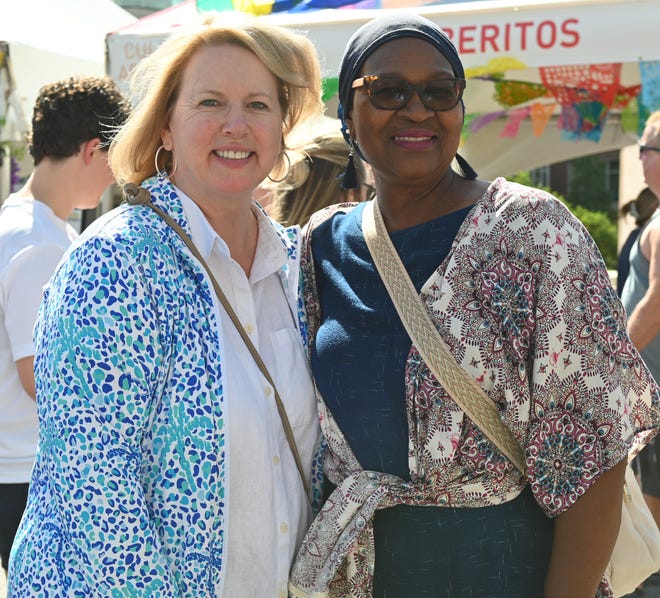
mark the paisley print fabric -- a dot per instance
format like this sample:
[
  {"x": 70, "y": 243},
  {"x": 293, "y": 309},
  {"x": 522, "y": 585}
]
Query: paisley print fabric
[
  {"x": 127, "y": 493},
  {"x": 525, "y": 304}
]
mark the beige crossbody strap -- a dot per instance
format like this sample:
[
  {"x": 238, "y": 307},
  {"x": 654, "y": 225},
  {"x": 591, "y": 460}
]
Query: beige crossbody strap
[
  {"x": 140, "y": 196},
  {"x": 465, "y": 391}
]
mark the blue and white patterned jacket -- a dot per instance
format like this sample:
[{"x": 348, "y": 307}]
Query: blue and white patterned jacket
[{"x": 127, "y": 493}]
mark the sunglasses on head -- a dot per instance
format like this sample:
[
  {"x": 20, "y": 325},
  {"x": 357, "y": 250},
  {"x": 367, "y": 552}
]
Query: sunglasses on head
[
  {"x": 647, "y": 148},
  {"x": 393, "y": 93}
]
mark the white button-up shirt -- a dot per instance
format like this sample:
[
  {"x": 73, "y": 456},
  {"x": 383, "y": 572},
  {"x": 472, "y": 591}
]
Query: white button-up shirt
[{"x": 268, "y": 511}]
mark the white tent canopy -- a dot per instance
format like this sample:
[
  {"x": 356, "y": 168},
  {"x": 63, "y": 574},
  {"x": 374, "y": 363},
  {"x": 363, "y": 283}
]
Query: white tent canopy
[
  {"x": 511, "y": 37},
  {"x": 42, "y": 41},
  {"x": 534, "y": 33},
  {"x": 50, "y": 40}
]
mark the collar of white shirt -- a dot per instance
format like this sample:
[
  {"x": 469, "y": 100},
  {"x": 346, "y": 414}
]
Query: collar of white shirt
[{"x": 271, "y": 254}]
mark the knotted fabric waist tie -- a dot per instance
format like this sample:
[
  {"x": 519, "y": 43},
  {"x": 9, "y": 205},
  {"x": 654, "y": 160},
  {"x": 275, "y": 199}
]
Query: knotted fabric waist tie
[{"x": 341, "y": 539}]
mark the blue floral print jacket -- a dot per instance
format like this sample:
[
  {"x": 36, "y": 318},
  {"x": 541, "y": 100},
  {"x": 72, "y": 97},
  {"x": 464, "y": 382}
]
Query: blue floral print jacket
[{"x": 127, "y": 493}]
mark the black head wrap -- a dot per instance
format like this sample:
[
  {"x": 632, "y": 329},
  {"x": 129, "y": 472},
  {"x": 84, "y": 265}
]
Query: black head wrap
[{"x": 369, "y": 38}]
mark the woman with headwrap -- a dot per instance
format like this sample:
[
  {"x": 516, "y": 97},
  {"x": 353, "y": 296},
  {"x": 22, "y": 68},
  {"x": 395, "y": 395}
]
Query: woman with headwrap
[{"x": 419, "y": 501}]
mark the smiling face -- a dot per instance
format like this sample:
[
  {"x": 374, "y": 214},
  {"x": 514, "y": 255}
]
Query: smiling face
[
  {"x": 413, "y": 144},
  {"x": 225, "y": 128}
]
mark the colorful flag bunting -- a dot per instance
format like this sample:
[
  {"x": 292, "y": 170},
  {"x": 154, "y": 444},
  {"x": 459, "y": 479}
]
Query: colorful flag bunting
[
  {"x": 630, "y": 117},
  {"x": 480, "y": 121},
  {"x": 467, "y": 121},
  {"x": 512, "y": 93},
  {"x": 568, "y": 119},
  {"x": 513, "y": 121},
  {"x": 571, "y": 84},
  {"x": 586, "y": 92},
  {"x": 495, "y": 68},
  {"x": 330, "y": 88},
  {"x": 265, "y": 7},
  {"x": 219, "y": 5},
  {"x": 304, "y": 5},
  {"x": 540, "y": 116},
  {"x": 649, "y": 97},
  {"x": 582, "y": 121},
  {"x": 624, "y": 96}
]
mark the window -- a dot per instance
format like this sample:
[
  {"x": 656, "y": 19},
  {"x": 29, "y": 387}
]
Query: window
[{"x": 541, "y": 176}]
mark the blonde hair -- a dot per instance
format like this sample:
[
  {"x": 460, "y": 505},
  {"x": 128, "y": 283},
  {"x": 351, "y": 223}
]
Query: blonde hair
[
  {"x": 652, "y": 126},
  {"x": 314, "y": 179},
  {"x": 156, "y": 81}
]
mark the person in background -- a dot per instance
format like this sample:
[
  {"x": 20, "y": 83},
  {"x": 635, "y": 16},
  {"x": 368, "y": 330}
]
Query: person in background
[
  {"x": 72, "y": 125},
  {"x": 641, "y": 298},
  {"x": 314, "y": 180},
  {"x": 641, "y": 209},
  {"x": 164, "y": 468},
  {"x": 420, "y": 502}
]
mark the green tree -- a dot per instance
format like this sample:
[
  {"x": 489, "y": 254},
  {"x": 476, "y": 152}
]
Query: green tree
[
  {"x": 587, "y": 184},
  {"x": 602, "y": 229}
]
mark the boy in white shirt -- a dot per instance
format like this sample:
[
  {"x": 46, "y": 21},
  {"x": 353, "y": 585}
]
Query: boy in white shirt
[{"x": 73, "y": 123}]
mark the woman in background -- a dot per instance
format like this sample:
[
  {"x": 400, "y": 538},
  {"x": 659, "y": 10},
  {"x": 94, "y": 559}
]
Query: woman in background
[
  {"x": 314, "y": 180},
  {"x": 641, "y": 209}
]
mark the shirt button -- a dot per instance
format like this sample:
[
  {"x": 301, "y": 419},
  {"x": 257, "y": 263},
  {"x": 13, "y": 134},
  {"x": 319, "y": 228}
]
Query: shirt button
[
  {"x": 249, "y": 328},
  {"x": 268, "y": 391},
  {"x": 276, "y": 460},
  {"x": 284, "y": 528},
  {"x": 281, "y": 594}
]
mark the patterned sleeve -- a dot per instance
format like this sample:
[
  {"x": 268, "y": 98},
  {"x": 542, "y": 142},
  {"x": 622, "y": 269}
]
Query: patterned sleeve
[
  {"x": 591, "y": 397},
  {"x": 99, "y": 340},
  {"x": 308, "y": 278}
]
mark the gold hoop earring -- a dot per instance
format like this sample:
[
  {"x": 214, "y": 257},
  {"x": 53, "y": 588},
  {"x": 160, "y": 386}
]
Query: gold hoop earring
[
  {"x": 164, "y": 173},
  {"x": 288, "y": 169}
]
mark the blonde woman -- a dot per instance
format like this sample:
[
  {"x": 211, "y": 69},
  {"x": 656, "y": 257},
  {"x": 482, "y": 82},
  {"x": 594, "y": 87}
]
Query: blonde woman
[{"x": 163, "y": 466}]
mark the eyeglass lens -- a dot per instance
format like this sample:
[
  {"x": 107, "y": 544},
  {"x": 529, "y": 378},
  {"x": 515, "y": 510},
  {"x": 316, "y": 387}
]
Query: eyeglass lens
[
  {"x": 391, "y": 93},
  {"x": 647, "y": 148}
]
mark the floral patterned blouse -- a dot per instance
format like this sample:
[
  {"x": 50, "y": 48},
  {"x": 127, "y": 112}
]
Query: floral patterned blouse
[{"x": 525, "y": 304}]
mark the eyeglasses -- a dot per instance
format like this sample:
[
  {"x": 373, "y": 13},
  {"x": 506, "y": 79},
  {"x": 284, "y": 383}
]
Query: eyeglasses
[
  {"x": 647, "y": 148},
  {"x": 393, "y": 93}
]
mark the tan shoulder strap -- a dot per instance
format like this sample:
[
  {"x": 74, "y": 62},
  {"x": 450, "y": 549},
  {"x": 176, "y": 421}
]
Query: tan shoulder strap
[
  {"x": 135, "y": 195},
  {"x": 465, "y": 391}
]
